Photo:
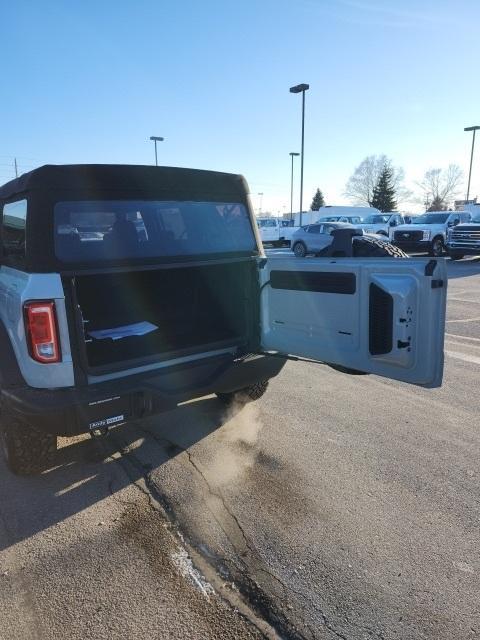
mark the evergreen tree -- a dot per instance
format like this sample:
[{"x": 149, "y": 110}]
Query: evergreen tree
[
  {"x": 317, "y": 201},
  {"x": 437, "y": 205},
  {"x": 384, "y": 191}
]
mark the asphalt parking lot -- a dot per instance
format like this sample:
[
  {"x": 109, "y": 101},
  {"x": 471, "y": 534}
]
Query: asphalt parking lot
[{"x": 335, "y": 507}]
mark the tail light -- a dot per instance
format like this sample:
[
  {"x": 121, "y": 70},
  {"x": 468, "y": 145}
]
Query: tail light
[{"x": 41, "y": 330}]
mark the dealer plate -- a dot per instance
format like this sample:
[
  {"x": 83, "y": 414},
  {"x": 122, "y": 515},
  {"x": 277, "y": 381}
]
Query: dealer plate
[{"x": 107, "y": 412}]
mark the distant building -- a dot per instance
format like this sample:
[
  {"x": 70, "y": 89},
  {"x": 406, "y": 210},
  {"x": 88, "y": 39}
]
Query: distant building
[{"x": 465, "y": 205}]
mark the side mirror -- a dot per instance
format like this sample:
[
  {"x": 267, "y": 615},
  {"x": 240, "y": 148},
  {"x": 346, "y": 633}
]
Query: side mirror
[
  {"x": 450, "y": 223},
  {"x": 393, "y": 223}
]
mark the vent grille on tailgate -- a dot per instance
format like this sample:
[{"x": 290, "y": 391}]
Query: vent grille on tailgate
[{"x": 380, "y": 321}]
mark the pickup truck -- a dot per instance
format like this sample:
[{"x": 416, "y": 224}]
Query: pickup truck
[
  {"x": 464, "y": 238},
  {"x": 126, "y": 290},
  {"x": 428, "y": 232},
  {"x": 275, "y": 231},
  {"x": 382, "y": 223}
]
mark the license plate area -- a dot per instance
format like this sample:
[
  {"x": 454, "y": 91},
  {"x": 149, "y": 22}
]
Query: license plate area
[{"x": 107, "y": 412}]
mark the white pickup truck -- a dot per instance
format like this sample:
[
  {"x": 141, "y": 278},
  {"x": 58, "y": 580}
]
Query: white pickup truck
[
  {"x": 275, "y": 231},
  {"x": 428, "y": 232},
  {"x": 381, "y": 223}
]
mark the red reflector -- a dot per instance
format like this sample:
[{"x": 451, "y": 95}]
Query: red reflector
[{"x": 41, "y": 329}]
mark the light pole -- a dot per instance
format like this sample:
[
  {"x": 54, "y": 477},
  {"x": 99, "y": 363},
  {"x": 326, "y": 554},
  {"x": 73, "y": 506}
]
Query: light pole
[
  {"x": 156, "y": 139},
  {"x": 471, "y": 156},
  {"x": 293, "y": 154},
  {"x": 301, "y": 88},
  {"x": 261, "y": 200}
]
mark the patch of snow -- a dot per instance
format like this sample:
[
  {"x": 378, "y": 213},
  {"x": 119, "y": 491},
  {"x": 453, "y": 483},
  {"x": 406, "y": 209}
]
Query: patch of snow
[{"x": 184, "y": 564}]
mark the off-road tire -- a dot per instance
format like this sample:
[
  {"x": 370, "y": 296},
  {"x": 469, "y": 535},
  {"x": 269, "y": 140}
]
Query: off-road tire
[
  {"x": 299, "y": 249},
  {"x": 437, "y": 247},
  {"x": 27, "y": 450},
  {"x": 454, "y": 255},
  {"x": 242, "y": 396},
  {"x": 367, "y": 247}
]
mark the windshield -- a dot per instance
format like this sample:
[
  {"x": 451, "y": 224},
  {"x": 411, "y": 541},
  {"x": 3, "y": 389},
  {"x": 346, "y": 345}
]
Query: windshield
[
  {"x": 431, "y": 218},
  {"x": 266, "y": 222},
  {"x": 376, "y": 219},
  {"x": 92, "y": 231}
]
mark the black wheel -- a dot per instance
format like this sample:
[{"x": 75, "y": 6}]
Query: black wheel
[
  {"x": 436, "y": 247},
  {"x": 368, "y": 247},
  {"x": 299, "y": 249},
  {"x": 242, "y": 396},
  {"x": 27, "y": 450},
  {"x": 455, "y": 255}
]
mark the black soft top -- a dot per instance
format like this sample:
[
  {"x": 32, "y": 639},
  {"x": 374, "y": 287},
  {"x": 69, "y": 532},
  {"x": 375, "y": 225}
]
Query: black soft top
[
  {"x": 134, "y": 179},
  {"x": 47, "y": 185}
]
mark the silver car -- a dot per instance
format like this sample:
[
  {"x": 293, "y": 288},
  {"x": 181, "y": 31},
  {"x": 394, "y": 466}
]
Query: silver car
[{"x": 314, "y": 238}]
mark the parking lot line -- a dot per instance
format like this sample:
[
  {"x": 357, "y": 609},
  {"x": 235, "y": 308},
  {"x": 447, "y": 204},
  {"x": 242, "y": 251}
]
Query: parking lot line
[
  {"x": 462, "y": 356},
  {"x": 464, "y": 320},
  {"x": 454, "y": 335},
  {"x": 463, "y": 300}
]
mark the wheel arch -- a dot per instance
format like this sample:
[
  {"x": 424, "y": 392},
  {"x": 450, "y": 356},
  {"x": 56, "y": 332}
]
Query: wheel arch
[
  {"x": 301, "y": 242},
  {"x": 10, "y": 374}
]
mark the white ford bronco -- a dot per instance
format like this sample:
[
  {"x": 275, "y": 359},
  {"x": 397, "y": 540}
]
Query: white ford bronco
[{"x": 125, "y": 290}]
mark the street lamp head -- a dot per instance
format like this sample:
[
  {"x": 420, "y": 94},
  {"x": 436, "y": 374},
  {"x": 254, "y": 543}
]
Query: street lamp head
[
  {"x": 471, "y": 128},
  {"x": 292, "y": 153},
  {"x": 299, "y": 88},
  {"x": 157, "y": 138}
]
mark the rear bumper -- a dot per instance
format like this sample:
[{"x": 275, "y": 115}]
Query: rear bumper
[{"x": 68, "y": 412}]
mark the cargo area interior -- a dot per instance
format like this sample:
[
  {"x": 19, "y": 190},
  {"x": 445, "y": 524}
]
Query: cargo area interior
[{"x": 191, "y": 308}]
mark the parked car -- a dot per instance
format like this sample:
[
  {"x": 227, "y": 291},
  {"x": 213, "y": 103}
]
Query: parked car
[
  {"x": 428, "y": 232},
  {"x": 382, "y": 223},
  {"x": 464, "y": 238},
  {"x": 316, "y": 238},
  {"x": 96, "y": 334}
]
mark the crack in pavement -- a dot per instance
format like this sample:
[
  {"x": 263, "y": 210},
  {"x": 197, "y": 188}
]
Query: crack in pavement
[
  {"x": 255, "y": 595},
  {"x": 158, "y": 503},
  {"x": 248, "y": 546},
  {"x": 256, "y": 599}
]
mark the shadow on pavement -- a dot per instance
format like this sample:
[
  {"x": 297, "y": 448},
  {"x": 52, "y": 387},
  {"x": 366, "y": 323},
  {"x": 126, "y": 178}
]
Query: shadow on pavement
[{"x": 86, "y": 473}]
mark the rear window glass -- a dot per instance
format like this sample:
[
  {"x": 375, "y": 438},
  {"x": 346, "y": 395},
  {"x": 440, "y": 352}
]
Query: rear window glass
[{"x": 92, "y": 231}]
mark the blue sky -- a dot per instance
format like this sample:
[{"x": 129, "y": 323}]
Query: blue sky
[{"x": 90, "y": 81}]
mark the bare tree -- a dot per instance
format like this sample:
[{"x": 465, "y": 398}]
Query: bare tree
[
  {"x": 440, "y": 186},
  {"x": 361, "y": 184}
]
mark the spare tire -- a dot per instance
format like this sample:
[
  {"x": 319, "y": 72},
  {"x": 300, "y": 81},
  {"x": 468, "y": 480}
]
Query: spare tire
[{"x": 368, "y": 247}]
